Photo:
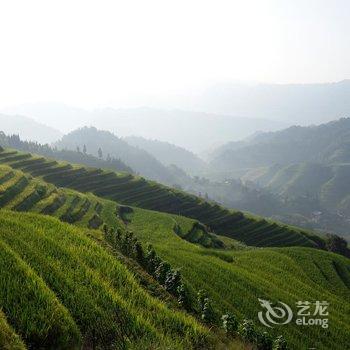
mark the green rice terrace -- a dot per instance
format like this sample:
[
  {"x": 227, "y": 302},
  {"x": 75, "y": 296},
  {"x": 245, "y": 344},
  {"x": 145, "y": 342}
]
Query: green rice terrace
[
  {"x": 91, "y": 259},
  {"x": 136, "y": 191},
  {"x": 66, "y": 291},
  {"x": 21, "y": 192}
]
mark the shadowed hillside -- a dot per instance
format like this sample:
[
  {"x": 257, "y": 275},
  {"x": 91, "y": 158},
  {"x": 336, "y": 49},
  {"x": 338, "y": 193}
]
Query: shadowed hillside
[
  {"x": 136, "y": 191},
  {"x": 139, "y": 160},
  {"x": 169, "y": 154}
]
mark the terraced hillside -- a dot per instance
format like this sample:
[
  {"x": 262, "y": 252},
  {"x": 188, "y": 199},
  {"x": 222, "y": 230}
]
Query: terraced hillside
[
  {"x": 21, "y": 192},
  {"x": 61, "y": 290},
  {"x": 235, "y": 279},
  {"x": 136, "y": 191},
  {"x": 71, "y": 291}
]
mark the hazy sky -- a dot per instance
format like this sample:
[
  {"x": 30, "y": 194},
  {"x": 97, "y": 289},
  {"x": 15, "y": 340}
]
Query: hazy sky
[{"x": 100, "y": 52}]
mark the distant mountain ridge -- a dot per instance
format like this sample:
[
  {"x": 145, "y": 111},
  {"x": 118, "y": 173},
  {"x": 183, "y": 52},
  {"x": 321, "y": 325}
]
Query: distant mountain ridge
[
  {"x": 28, "y": 129},
  {"x": 193, "y": 130},
  {"x": 139, "y": 160},
  {"x": 292, "y": 103},
  {"x": 307, "y": 169},
  {"x": 326, "y": 143},
  {"x": 169, "y": 154}
]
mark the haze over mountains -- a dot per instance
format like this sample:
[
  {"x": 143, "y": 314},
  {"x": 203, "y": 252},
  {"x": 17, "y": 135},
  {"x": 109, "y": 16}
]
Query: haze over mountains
[
  {"x": 169, "y": 154},
  {"x": 297, "y": 175},
  {"x": 257, "y": 164},
  {"x": 326, "y": 143},
  {"x": 28, "y": 128},
  {"x": 303, "y": 104},
  {"x": 196, "y": 131},
  {"x": 112, "y": 146},
  {"x": 211, "y": 116},
  {"x": 306, "y": 168}
]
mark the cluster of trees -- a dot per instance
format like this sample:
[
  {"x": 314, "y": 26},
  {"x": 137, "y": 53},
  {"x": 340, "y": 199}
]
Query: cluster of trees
[
  {"x": 201, "y": 305},
  {"x": 161, "y": 270},
  {"x": 248, "y": 332},
  {"x": 99, "y": 152}
]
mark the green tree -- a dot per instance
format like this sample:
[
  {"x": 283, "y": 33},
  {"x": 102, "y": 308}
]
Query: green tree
[
  {"x": 161, "y": 272},
  {"x": 152, "y": 260},
  {"x": 208, "y": 314},
  {"x": 247, "y": 331},
  {"x": 184, "y": 298},
  {"x": 201, "y": 296},
  {"x": 229, "y": 323},
  {"x": 139, "y": 254},
  {"x": 172, "y": 281},
  {"x": 264, "y": 341},
  {"x": 280, "y": 343}
]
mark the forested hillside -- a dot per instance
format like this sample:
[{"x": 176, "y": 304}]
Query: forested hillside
[
  {"x": 79, "y": 155},
  {"x": 110, "y": 145},
  {"x": 326, "y": 143},
  {"x": 303, "y": 171}
]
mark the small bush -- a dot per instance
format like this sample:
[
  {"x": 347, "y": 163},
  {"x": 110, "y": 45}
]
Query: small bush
[
  {"x": 152, "y": 260},
  {"x": 280, "y": 344},
  {"x": 184, "y": 298},
  {"x": 208, "y": 314},
  {"x": 162, "y": 271},
  {"x": 201, "y": 296},
  {"x": 172, "y": 281},
  {"x": 264, "y": 341},
  {"x": 247, "y": 331},
  {"x": 139, "y": 254},
  {"x": 229, "y": 323}
]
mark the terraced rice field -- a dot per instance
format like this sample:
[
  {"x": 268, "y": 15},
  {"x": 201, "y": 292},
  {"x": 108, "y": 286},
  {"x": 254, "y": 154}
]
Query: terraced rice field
[
  {"x": 61, "y": 290},
  {"x": 136, "y": 191},
  {"x": 21, "y": 192},
  {"x": 236, "y": 278}
]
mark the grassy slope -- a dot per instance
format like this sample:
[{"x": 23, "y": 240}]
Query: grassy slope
[
  {"x": 130, "y": 190},
  {"x": 9, "y": 340},
  {"x": 84, "y": 210},
  {"x": 234, "y": 279},
  {"x": 285, "y": 274},
  {"x": 71, "y": 291},
  {"x": 40, "y": 197}
]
